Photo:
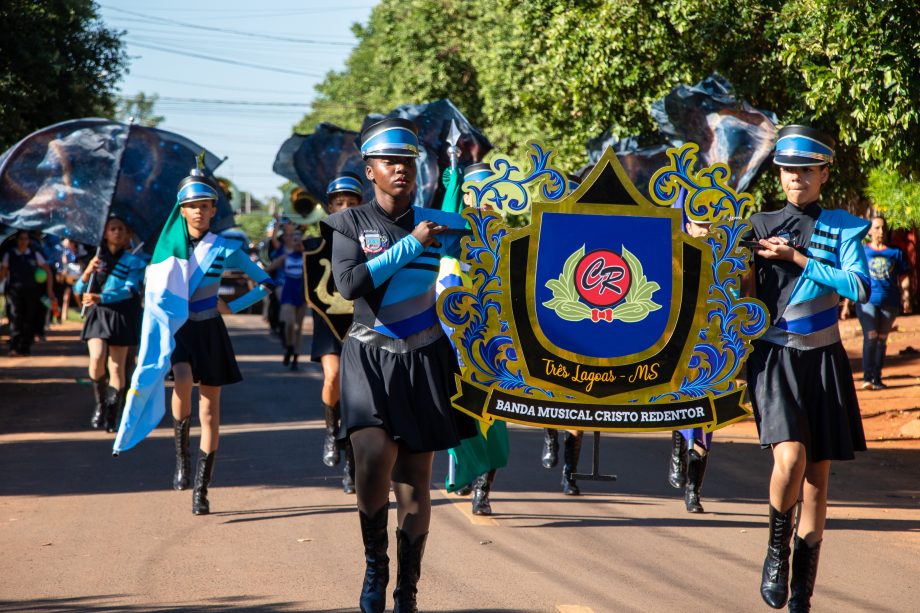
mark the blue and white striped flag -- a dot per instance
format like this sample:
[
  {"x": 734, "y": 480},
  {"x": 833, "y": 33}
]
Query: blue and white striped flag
[{"x": 170, "y": 275}]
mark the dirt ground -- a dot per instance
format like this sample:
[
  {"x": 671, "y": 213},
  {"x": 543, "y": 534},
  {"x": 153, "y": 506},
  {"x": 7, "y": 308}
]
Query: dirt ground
[{"x": 891, "y": 417}]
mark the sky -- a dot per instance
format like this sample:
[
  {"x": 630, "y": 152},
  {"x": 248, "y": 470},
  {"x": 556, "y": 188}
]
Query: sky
[{"x": 238, "y": 87}]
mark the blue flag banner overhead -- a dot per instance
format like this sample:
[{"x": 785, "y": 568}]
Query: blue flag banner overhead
[
  {"x": 312, "y": 161},
  {"x": 67, "y": 178},
  {"x": 727, "y": 130}
]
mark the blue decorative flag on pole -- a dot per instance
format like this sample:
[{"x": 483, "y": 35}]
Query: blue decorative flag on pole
[{"x": 169, "y": 277}]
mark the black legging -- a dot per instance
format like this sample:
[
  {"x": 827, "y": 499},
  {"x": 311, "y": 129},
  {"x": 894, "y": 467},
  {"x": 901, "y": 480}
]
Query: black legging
[{"x": 379, "y": 460}]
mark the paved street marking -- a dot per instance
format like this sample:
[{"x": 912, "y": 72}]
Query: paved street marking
[{"x": 462, "y": 504}]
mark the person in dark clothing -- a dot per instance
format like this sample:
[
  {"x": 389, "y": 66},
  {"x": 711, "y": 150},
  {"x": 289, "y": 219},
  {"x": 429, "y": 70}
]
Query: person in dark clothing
[
  {"x": 27, "y": 276},
  {"x": 397, "y": 365},
  {"x": 799, "y": 375}
]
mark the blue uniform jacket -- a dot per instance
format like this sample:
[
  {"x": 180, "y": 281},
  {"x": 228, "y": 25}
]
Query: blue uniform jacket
[
  {"x": 228, "y": 253},
  {"x": 123, "y": 282}
]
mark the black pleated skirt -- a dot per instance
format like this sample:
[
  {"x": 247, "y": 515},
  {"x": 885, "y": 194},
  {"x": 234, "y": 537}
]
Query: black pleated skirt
[
  {"x": 117, "y": 324},
  {"x": 324, "y": 340},
  {"x": 408, "y": 394},
  {"x": 206, "y": 346},
  {"x": 806, "y": 396}
]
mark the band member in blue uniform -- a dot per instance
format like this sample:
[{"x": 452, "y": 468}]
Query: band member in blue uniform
[
  {"x": 397, "y": 366},
  {"x": 799, "y": 375},
  {"x": 203, "y": 352},
  {"x": 690, "y": 447},
  {"x": 487, "y": 454},
  {"x": 110, "y": 290},
  {"x": 343, "y": 192},
  {"x": 293, "y": 304}
]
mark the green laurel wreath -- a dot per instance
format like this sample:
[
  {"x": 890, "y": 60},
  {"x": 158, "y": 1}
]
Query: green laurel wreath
[{"x": 636, "y": 307}]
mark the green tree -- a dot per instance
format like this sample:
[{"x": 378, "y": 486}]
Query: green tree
[
  {"x": 563, "y": 72},
  {"x": 859, "y": 63},
  {"x": 409, "y": 52},
  {"x": 57, "y": 61},
  {"x": 141, "y": 107},
  {"x": 253, "y": 224}
]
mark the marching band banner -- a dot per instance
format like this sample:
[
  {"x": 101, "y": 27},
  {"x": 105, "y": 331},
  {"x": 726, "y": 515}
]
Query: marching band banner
[
  {"x": 602, "y": 313},
  {"x": 320, "y": 293}
]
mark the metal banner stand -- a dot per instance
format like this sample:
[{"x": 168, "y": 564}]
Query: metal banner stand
[{"x": 595, "y": 474}]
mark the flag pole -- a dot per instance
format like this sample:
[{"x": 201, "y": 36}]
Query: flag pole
[{"x": 92, "y": 277}]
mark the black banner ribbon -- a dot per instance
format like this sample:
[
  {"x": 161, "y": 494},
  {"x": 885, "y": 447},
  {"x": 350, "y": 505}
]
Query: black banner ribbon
[{"x": 708, "y": 412}]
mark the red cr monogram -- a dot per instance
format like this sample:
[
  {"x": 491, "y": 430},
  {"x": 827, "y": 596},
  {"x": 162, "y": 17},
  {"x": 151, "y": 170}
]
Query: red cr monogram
[{"x": 602, "y": 278}]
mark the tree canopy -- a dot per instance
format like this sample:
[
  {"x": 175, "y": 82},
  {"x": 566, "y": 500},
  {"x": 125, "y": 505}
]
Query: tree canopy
[
  {"x": 141, "y": 108},
  {"x": 57, "y": 61},
  {"x": 563, "y": 72}
]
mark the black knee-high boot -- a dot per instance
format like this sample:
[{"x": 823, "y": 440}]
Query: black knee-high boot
[
  {"x": 330, "y": 448},
  {"x": 115, "y": 409},
  {"x": 203, "y": 472},
  {"x": 570, "y": 455},
  {"x": 481, "y": 488},
  {"x": 111, "y": 405},
  {"x": 348, "y": 474},
  {"x": 550, "y": 448},
  {"x": 696, "y": 470},
  {"x": 804, "y": 571},
  {"x": 377, "y": 574},
  {"x": 677, "y": 470},
  {"x": 774, "y": 581},
  {"x": 183, "y": 457},
  {"x": 97, "y": 421},
  {"x": 408, "y": 570}
]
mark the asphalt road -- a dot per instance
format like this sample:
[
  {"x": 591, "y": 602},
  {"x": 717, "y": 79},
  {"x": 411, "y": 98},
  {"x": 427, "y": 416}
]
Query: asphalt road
[{"x": 80, "y": 530}]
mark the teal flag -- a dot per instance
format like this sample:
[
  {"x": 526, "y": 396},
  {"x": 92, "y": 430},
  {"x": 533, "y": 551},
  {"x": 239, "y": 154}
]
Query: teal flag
[{"x": 479, "y": 454}]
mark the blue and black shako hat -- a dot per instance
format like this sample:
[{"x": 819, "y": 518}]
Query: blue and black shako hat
[
  {"x": 391, "y": 137},
  {"x": 803, "y": 146},
  {"x": 345, "y": 182},
  {"x": 480, "y": 171},
  {"x": 197, "y": 186}
]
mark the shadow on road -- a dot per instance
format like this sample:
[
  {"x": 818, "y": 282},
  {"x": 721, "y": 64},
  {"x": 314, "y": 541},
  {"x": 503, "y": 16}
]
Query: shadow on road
[
  {"x": 223, "y": 605},
  {"x": 280, "y": 457}
]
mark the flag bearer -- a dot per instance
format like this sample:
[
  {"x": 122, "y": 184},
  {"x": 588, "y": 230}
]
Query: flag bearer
[
  {"x": 183, "y": 328},
  {"x": 109, "y": 289}
]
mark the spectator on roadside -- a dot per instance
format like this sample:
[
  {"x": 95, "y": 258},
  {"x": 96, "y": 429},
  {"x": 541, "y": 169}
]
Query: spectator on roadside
[{"x": 887, "y": 265}]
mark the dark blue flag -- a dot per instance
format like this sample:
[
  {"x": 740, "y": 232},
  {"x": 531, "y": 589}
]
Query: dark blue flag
[{"x": 67, "y": 178}]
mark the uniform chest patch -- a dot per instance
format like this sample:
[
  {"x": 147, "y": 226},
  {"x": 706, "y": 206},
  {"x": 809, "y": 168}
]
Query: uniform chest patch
[{"x": 373, "y": 241}]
